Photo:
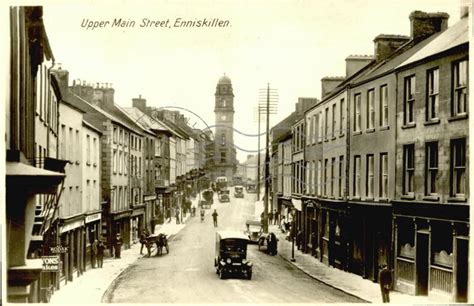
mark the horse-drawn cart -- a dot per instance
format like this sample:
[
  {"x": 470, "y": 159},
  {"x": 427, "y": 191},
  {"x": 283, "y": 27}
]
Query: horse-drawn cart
[{"x": 161, "y": 241}]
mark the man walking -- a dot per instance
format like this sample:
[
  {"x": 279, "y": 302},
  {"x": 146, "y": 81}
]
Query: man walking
[
  {"x": 118, "y": 245},
  {"x": 270, "y": 218},
  {"x": 100, "y": 253},
  {"x": 214, "y": 217},
  {"x": 143, "y": 236},
  {"x": 94, "y": 252},
  {"x": 177, "y": 216},
  {"x": 385, "y": 279}
]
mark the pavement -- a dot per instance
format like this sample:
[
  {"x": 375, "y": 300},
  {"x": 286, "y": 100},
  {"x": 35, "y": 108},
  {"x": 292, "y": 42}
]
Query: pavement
[
  {"x": 90, "y": 287},
  {"x": 350, "y": 283}
]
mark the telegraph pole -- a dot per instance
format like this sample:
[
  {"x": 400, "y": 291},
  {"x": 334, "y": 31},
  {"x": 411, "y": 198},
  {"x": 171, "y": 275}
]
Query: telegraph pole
[
  {"x": 269, "y": 106},
  {"x": 258, "y": 158}
]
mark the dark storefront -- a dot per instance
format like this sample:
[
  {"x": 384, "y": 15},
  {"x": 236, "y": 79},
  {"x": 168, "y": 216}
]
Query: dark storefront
[{"x": 431, "y": 242}]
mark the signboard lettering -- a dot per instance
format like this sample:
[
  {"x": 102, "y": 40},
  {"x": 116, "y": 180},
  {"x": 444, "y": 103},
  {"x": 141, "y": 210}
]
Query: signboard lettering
[
  {"x": 51, "y": 263},
  {"x": 58, "y": 249}
]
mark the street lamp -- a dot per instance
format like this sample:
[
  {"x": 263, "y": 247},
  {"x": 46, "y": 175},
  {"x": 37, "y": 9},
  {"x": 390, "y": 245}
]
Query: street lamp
[{"x": 293, "y": 235}]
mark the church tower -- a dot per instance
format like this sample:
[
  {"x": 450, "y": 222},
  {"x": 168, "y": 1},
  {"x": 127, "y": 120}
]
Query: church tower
[{"x": 224, "y": 151}]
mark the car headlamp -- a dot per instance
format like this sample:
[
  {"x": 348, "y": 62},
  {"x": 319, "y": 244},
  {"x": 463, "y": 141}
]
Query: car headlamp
[
  {"x": 244, "y": 261},
  {"x": 222, "y": 263},
  {"x": 229, "y": 261}
]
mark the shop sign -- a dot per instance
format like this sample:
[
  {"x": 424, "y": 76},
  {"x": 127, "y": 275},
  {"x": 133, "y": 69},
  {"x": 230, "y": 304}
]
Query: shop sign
[
  {"x": 70, "y": 226},
  {"x": 92, "y": 218},
  {"x": 58, "y": 249},
  {"x": 51, "y": 263},
  {"x": 149, "y": 198}
]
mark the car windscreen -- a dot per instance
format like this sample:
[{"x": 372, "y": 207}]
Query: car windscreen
[
  {"x": 254, "y": 228},
  {"x": 233, "y": 246}
]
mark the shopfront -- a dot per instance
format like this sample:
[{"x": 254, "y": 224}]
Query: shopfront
[
  {"x": 92, "y": 231},
  {"x": 121, "y": 224},
  {"x": 310, "y": 227},
  {"x": 72, "y": 236},
  {"x": 137, "y": 222}
]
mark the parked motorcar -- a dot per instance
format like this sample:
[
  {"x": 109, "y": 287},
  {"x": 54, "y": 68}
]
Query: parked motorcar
[
  {"x": 251, "y": 188},
  {"x": 231, "y": 255},
  {"x": 224, "y": 196},
  {"x": 238, "y": 191},
  {"x": 254, "y": 230}
]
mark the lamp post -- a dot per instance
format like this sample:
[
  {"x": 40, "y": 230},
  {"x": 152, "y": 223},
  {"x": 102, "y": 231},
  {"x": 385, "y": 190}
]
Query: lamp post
[{"x": 293, "y": 224}]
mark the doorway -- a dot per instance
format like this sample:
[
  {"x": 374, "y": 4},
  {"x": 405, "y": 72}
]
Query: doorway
[
  {"x": 462, "y": 244},
  {"x": 422, "y": 262}
]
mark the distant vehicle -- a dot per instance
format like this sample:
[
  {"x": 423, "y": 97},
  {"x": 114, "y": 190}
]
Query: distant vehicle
[
  {"x": 254, "y": 230},
  {"x": 224, "y": 196},
  {"x": 221, "y": 183},
  {"x": 231, "y": 255},
  {"x": 208, "y": 199},
  {"x": 251, "y": 188},
  {"x": 237, "y": 180},
  {"x": 238, "y": 191}
]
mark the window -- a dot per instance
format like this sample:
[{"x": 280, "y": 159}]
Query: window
[
  {"x": 120, "y": 165},
  {"x": 409, "y": 105},
  {"x": 320, "y": 177},
  {"x": 313, "y": 170},
  {"x": 431, "y": 168},
  {"x": 460, "y": 87},
  {"x": 115, "y": 134},
  {"x": 370, "y": 109},
  {"x": 356, "y": 189},
  {"x": 326, "y": 161},
  {"x": 223, "y": 157},
  {"x": 88, "y": 149},
  {"x": 120, "y": 136},
  {"x": 326, "y": 121},
  {"x": 314, "y": 128},
  {"x": 222, "y": 139},
  {"x": 94, "y": 148},
  {"x": 125, "y": 163},
  {"x": 458, "y": 167},
  {"x": 383, "y": 105},
  {"x": 357, "y": 124},
  {"x": 334, "y": 124},
  {"x": 320, "y": 126},
  {"x": 342, "y": 118},
  {"x": 76, "y": 153},
  {"x": 114, "y": 161},
  {"x": 408, "y": 169},
  {"x": 432, "y": 97},
  {"x": 224, "y": 103},
  {"x": 139, "y": 167},
  {"x": 63, "y": 142},
  {"x": 383, "y": 175},
  {"x": 333, "y": 165},
  {"x": 341, "y": 176},
  {"x": 369, "y": 190}
]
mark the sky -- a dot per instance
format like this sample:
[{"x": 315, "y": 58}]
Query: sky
[{"x": 290, "y": 45}]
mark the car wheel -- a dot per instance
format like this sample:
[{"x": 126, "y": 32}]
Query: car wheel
[{"x": 221, "y": 274}]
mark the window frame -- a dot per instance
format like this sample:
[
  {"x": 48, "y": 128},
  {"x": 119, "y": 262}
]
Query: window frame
[
  {"x": 431, "y": 168},
  {"x": 457, "y": 88},
  {"x": 357, "y": 114},
  {"x": 408, "y": 172},
  {"x": 384, "y": 105},
  {"x": 432, "y": 94},
  {"x": 370, "y": 123},
  {"x": 356, "y": 176},
  {"x": 370, "y": 176},
  {"x": 383, "y": 186},
  {"x": 455, "y": 145},
  {"x": 409, "y": 99}
]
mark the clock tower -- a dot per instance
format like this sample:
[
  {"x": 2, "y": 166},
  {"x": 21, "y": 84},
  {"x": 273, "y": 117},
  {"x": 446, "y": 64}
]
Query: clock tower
[{"x": 225, "y": 161}]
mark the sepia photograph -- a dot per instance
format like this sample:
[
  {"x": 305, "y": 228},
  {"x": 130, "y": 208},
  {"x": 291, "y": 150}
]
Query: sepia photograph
[{"x": 236, "y": 152}]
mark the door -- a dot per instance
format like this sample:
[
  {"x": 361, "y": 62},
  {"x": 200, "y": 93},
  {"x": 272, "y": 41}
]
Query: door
[
  {"x": 422, "y": 262},
  {"x": 462, "y": 244}
]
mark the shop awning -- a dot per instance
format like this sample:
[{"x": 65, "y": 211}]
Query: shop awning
[
  {"x": 32, "y": 179},
  {"x": 297, "y": 204}
]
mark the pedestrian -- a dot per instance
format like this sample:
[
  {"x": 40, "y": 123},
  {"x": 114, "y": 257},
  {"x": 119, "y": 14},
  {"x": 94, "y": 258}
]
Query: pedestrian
[
  {"x": 177, "y": 216},
  {"x": 385, "y": 279},
  {"x": 299, "y": 239},
  {"x": 100, "y": 253},
  {"x": 214, "y": 217},
  {"x": 276, "y": 217},
  {"x": 144, "y": 234},
  {"x": 118, "y": 245},
  {"x": 94, "y": 253},
  {"x": 270, "y": 218},
  {"x": 282, "y": 224}
]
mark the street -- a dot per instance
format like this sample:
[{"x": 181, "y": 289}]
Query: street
[{"x": 187, "y": 273}]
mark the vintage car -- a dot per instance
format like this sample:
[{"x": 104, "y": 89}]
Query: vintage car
[
  {"x": 251, "y": 188},
  {"x": 238, "y": 191},
  {"x": 224, "y": 196},
  {"x": 254, "y": 230},
  {"x": 231, "y": 255}
]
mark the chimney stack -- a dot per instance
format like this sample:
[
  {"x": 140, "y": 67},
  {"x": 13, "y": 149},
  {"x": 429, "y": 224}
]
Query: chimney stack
[
  {"x": 140, "y": 103},
  {"x": 63, "y": 79},
  {"x": 386, "y": 44},
  {"x": 423, "y": 25},
  {"x": 328, "y": 84},
  {"x": 355, "y": 63}
]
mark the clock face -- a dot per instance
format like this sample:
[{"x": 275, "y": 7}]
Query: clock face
[{"x": 223, "y": 117}]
